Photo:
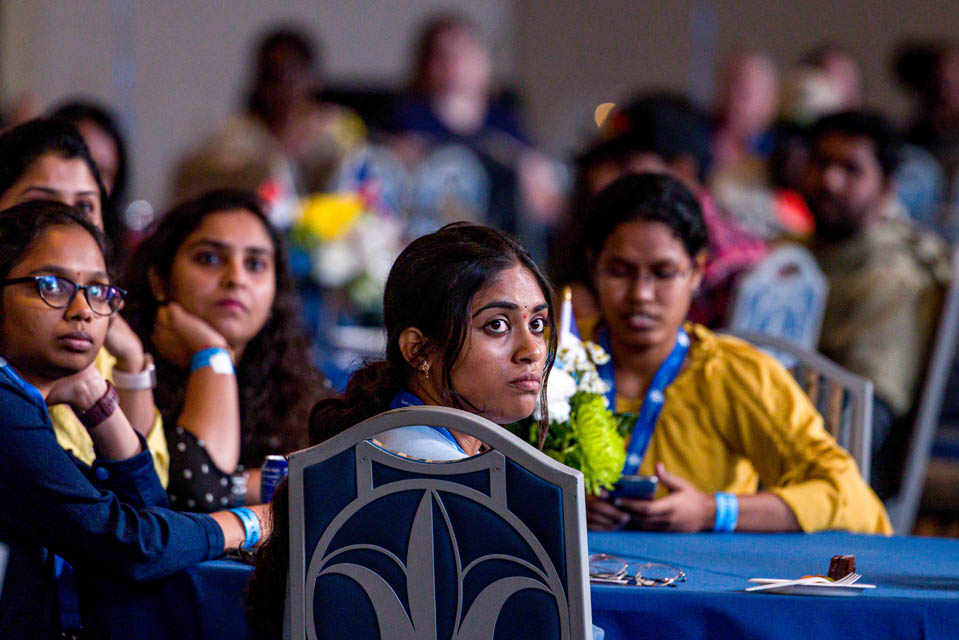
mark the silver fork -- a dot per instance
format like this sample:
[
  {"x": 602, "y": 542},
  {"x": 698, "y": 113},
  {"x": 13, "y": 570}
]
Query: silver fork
[{"x": 814, "y": 580}]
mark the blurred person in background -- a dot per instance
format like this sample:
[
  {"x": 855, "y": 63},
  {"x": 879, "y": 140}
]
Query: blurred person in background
[
  {"x": 929, "y": 179},
  {"x": 886, "y": 278},
  {"x": 933, "y": 73},
  {"x": 210, "y": 295},
  {"x": 748, "y": 101},
  {"x": 46, "y": 159},
  {"x": 843, "y": 71},
  {"x": 663, "y": 133},
  {"x": 827, "y": 79},
  {"x": 929, "y": 176},
  {"x": 285, "y": 132},
  {"x": 102, "y": 134},
  {"x": 743, "y": 141},
  {"x": 452, "y": 101}
]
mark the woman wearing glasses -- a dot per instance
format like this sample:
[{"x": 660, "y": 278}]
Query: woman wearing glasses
[
  {"x": 56, "y": 307},
  {"x": 211, "y": 296},
  {"x": 716, "y": 418},
  {"x": 46, "y": 159}
]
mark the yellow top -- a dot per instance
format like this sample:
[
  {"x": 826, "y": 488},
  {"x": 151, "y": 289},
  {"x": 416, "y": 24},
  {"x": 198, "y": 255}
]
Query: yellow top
[
  {"x": 74, "y": 437},
  {"x": 734, "y": 420}
]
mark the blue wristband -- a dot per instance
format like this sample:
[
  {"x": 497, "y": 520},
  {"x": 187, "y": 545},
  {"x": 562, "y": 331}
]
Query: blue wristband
[
  {"x": 216, "y": 358},
  {"x": 727, "y": 512},
  {"x": 251, "y": 526}
]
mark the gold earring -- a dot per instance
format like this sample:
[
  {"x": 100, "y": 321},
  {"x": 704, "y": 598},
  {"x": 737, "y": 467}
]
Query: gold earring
[{"x": 425, "y": 368}]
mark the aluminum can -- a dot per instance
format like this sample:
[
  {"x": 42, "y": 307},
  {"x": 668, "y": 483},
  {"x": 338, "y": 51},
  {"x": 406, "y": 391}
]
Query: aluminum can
[{"x": 273, "y": 471}]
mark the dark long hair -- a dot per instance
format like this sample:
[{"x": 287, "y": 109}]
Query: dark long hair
[
  {"x": 24, "y": 144},
  {"x": 21, "y": 225},
  {"x": 646, "y": 196},
  {"x": 430, "y": 287},
  {"x": 80, "y": 110},
  {"x": 275, "y": 364}
]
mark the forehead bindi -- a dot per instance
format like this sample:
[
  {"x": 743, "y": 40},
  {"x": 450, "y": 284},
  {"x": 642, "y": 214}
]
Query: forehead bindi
[
  {"x": 71, "y": 250},
  {"x": 515, "y": 290}
]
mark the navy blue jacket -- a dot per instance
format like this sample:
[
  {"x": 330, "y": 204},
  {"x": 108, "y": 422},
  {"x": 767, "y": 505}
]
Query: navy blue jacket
[{"x": 107, "y": 520}]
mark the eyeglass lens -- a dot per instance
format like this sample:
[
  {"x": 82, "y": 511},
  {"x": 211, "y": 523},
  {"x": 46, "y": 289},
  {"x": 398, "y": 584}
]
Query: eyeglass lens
[
  {"x": 603, "y": 565},
  {"x": 660, "y": 573},
  {"x": 59, "y": 293},
  {"x": 648, "y": 574}
]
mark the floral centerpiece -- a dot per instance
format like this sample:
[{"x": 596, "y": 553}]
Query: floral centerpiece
[
  {"x": 351, "y": 243},
  {"x": 583, "y": 432}
]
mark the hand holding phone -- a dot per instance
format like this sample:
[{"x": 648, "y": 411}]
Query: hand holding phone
[{"x": 635, "y": 487}]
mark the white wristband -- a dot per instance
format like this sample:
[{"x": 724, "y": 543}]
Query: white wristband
[{"x": 146, "y": 379}]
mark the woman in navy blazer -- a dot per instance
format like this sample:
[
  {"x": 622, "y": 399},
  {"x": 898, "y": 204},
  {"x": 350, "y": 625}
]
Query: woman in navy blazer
[{"x": 110, "y": 518}]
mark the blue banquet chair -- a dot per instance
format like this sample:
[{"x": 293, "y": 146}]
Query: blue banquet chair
[
  {"x": 383, "y": 545},
  {"x": 784, "y": 296}
]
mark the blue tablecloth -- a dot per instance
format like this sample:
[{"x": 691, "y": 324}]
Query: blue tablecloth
[{"x": 917, "y": 594}]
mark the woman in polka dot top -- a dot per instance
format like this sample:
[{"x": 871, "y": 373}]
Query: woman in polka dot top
[{"x": 211, "y": 297}]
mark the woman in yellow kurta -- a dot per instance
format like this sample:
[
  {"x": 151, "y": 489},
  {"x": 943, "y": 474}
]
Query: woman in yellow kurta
[{"x": 732, "y": 419}]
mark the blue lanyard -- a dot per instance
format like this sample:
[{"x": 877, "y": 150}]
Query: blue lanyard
[
  {"x": 31, "y": 390},
  {"x": 406, "y": 399},
  {"x": 655, "y": 396}
]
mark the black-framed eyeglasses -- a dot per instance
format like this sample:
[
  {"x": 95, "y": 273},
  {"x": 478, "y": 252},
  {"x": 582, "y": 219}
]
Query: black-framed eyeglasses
[{"x": 104, "y": 299}]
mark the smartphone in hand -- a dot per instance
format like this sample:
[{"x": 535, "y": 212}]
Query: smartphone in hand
[{"x": 635, "y": 487}]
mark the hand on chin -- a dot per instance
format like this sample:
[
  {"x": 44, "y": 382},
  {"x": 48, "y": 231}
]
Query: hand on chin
[{"x": 80, "y": 390}]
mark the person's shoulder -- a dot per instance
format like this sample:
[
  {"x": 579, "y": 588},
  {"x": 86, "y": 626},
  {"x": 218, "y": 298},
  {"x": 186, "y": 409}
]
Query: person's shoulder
[
  {"x": 719, "y": 345},
  {"x": 17, "y": 409},
  {"x": 904, "y": 245},
  {"x": 735, "y": 372},
  {"x": 726, "y": 356}
]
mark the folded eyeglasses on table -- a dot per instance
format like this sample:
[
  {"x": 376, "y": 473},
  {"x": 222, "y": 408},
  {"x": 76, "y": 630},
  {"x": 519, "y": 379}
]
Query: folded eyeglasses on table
[{"x": 611, "y": 569}]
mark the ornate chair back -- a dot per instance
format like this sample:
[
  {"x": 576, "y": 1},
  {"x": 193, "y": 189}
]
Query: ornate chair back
[
  {"x": 843, "y": 398},
  {"x": 784, "y": 296},
  {"x": 382, "y": 545}
]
